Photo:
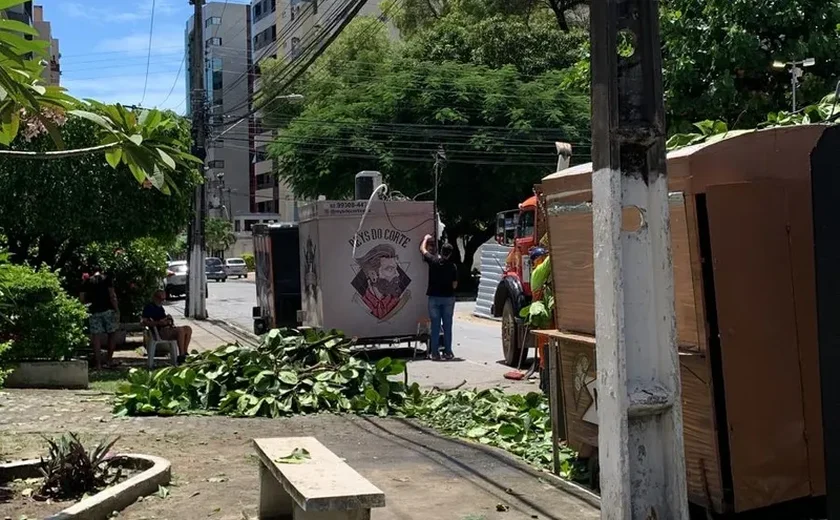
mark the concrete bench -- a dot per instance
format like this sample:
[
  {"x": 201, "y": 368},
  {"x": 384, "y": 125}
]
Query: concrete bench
[{"x": 323, "y": 487}]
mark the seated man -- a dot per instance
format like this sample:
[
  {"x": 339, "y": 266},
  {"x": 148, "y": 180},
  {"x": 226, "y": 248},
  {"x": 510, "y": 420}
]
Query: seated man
[{"x": 154, "y": 315}]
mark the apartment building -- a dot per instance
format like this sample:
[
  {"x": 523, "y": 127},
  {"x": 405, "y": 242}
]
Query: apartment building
[
  {"x": 266, "y": 189},
  {"x": 52, "y": 73},
  {"x": 283, "y": 29},
  {"x": 21, "y": 13},
  {"x": 228, "y": 87},
  {"x": 33, "y": 15}
]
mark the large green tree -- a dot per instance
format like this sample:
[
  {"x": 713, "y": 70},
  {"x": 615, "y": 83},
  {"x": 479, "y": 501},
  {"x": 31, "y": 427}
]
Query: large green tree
[
  {"x": 52, "y": 208},
  {"x": 718, "y": 57},
  {"x": 497, "y": 129}
]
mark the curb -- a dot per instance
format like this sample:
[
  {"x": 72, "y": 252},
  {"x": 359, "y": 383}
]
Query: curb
[
  {"x": 569, "y": 487},
  {"x": 236, "y": 330},
  {"x": 115, "y": 498}
]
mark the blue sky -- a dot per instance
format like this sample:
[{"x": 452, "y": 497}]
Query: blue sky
[{"x": 104, "y": 45}]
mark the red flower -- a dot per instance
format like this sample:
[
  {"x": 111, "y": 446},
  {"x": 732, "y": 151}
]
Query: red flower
[{"x": 85, "y": 277}]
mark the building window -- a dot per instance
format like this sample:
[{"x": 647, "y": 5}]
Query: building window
[
  {"x": 264, "y": 38},
  {"x": 218, "y": 163},
  {"x": 263, "y": 9},
  {"x": 214, "y": 41},
  {"x": 213, "y": 20},
  {"x": 295, "y": 47},
  {"x": 249, "y": 224},
  {"x": 264, "y": 180},
  {"x": 266, "y": 207},
  {"x": 237, "y": 226}
]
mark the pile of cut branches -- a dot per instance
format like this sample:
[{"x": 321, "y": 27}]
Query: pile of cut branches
[{"x": 290, "y": 372}]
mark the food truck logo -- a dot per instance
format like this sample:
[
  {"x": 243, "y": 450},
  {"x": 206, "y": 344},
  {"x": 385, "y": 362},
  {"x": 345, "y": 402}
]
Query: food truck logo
[
  {"x": 381, "y": 283},
  {"x": 310, "y": 270}
]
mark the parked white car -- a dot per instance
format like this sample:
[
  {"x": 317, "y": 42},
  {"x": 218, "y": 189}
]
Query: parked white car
[
  {"x": 175, "y": 283},
  {"x": 236, "y": 267}
]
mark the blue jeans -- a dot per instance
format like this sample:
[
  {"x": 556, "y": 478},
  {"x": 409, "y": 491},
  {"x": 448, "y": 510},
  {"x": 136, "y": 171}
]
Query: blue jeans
[{"x": 441, "y": 310}]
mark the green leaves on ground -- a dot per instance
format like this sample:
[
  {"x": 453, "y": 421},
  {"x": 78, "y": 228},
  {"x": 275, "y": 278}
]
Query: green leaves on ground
[
  {"x": 299, "y": 372},
  {"x": 290, "y": 372},
  {"x": 520, "y": 424},
  {"x": 297, "y": 456}
]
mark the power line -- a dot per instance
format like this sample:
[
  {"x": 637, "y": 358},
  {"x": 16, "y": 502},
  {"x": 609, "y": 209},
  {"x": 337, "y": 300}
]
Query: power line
[
  {"x": 149, "y": 55},
  {"x": 349, "y": 9},
  {"x": 175, "y": 83}
]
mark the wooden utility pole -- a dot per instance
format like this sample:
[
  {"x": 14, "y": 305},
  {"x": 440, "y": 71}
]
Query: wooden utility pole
[
  {"x": 640, "y": 438},
  {"x": 195, "y": 306}
]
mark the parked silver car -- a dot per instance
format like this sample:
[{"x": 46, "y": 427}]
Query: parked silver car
[
  {"x": 236, "y": 267},
  {"x": 175, "y": 283}
]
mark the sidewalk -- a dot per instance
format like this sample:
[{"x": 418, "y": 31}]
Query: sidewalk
[
  {"x": 425, "y": 476},
  {"x": 207, "y": 335}
]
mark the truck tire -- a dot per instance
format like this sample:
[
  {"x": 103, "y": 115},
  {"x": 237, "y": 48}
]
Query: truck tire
[{"x": 510, "y": 335}]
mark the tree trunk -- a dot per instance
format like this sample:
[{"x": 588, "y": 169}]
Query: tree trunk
[
  {"x": 559, "y": 8},
  {"x": 47, "y": 252},
  {"x": 19, "y": 248}
]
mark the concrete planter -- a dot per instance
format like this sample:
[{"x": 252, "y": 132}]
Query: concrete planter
[
  {"x": 49, "y": 374},
  {"x": 155, "y": 472}
]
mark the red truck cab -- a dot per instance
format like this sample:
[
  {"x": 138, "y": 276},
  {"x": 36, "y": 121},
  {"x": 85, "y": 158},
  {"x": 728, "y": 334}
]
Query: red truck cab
[{"x": 518, "y": 229}]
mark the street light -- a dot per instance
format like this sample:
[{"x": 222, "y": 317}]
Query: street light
[{"x": 795, "y": 72}]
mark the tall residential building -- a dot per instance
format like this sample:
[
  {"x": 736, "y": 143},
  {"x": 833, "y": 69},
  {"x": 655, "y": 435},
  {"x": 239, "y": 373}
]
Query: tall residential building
[
  {"x": 52, "y": 73},
  {"x": 283, "y": 29},
  {"x": 228, "y": 87},
  {"x": 33, "y": 15},
  {"x": 21, "y": 13}
]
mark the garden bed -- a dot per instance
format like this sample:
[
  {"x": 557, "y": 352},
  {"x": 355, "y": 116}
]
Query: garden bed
[
  {"x": 140, "y": 475},
  {"x": 49, "y": 374}
]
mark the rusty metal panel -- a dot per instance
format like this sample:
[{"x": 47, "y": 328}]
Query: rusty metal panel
[
  {"x": 572, "y": 269},
  {"x": 756, "y": 316},
  {"x": 804, "y": 287}
]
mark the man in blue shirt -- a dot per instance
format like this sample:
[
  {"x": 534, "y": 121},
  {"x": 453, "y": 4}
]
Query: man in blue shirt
[{"x": 154, "y": 315}]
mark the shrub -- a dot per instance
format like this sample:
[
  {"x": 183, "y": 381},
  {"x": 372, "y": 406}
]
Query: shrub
[
  {"x": 42, "y": 322},
  {"x": 250, "y": 261},
  {"x": 70, "y": 470},
  {"x": 137, "y": 269}
]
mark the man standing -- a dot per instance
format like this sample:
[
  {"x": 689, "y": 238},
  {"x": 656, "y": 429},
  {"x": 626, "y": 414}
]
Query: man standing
[
  {"x": 98, "y": 292},
  {"x": 154, "y": 315},
  {"x": 443, "y": 280}
]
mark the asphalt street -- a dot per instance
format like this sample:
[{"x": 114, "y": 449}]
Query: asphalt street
[{"x": 478, "y": 343}]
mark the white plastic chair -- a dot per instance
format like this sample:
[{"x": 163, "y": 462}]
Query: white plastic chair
[{"x": 151, "y": 340}]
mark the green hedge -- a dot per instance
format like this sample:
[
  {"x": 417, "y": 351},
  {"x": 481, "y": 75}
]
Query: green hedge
[
  {"x": 250, "y": 262},
  {"x": 137, "y": 268},
  {"x": 40, "y": 321}
]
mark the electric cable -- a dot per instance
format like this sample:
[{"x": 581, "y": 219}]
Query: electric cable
[{"x": 149, "y": 55}]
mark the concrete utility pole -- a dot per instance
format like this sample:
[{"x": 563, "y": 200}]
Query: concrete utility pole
[
  {"x": 195, "y": 306},
  {"x": 640, "y": 438}
]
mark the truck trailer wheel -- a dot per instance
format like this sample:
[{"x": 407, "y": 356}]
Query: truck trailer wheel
[{"x": 510, "y": 335}]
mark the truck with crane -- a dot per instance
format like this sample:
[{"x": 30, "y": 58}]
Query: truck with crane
[{"x": 522, "y": 229}]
